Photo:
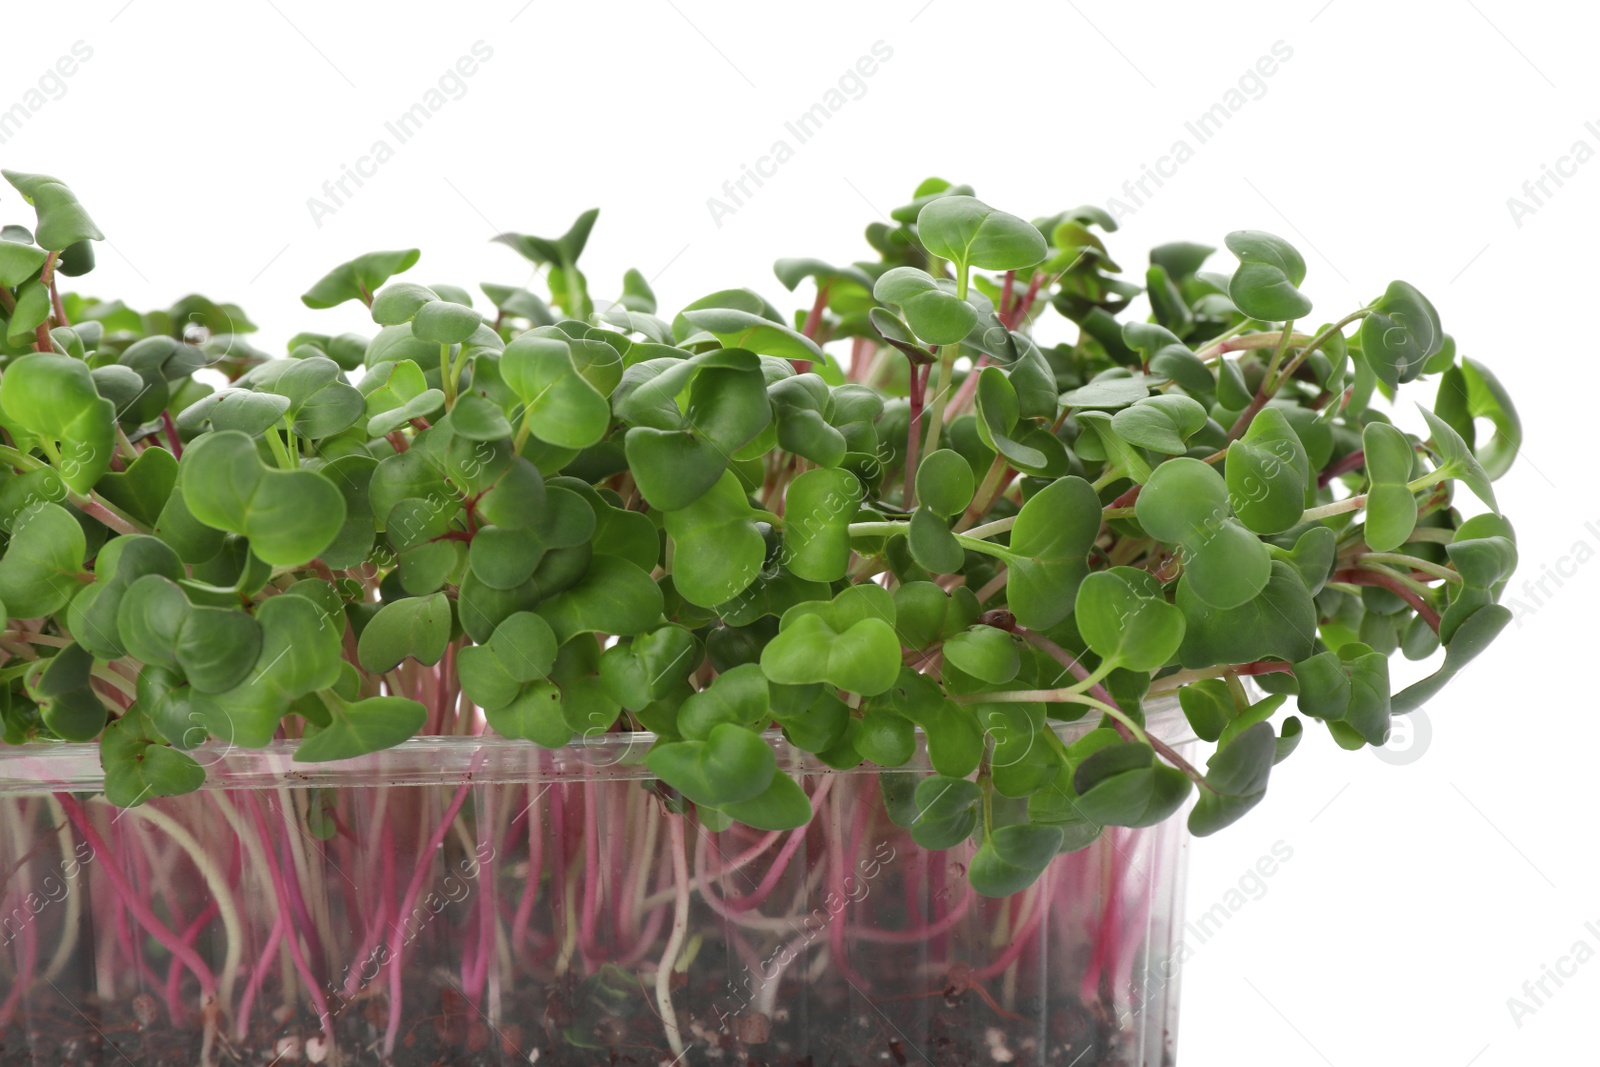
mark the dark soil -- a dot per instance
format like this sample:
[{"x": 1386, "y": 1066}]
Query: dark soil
[{"x": 594, "y": 1023}]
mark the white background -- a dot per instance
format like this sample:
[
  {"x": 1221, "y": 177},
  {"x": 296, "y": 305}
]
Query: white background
[{"x": 1419, "y": 897}]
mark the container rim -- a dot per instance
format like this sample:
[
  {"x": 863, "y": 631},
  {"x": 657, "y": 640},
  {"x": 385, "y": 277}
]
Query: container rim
[{"x": 42, "y": 767}]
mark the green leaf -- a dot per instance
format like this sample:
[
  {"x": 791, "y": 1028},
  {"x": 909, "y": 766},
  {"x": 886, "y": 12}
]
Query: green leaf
[
  {"x": 732, "y": 764},
  {"x": 1097, "y": 439},
  {"x": 1186, "y": 502},
  {"x": 1012, "y": 858},
  {"x": 1470, "y": 392},
  {"x": 613, "y": 597},
  {"x": 783, "y": 805},
  {"x": 216, "y": 647},
  {"x": 92, "y": 615},
  {"x": 1267, "y": 471},
  {"x": 744, "y": 329},
  {"x": 399, "y": 302},
  {"x": 1312, "y": 556},
  {"x": 998, "y": 416},
  {"x": 864, "y": 658},
  {"x": 142, "y": 490},
  {"x": 416, "y": 627},
  {"x": 718, "y": 547},
  {"x": 369, "y": 725},
  {"x": 930, "y": 306},
  {"x": 300, "y": 648},
  {"x": 54, "y": 396},
  {"x": 791, "y": 272},
  {"x": 965, "y": 230},
  {"x": 848, "y": 642},
  {"x": 290, "y": 516},
  {"x": 478, "y": 419},
  {"x": 1266, "y": 284},
  {"x": 1236, "y": 779},
  {"x": 40, "y": 571},
  {"x": 818, "y": 507},
  {"x": 62, "y": 220},
  {"x": 1122, "y": 784},
  {"x": 728, "y": 403},
  {"x": 945, "y": 483},
  {"x": 359, "y": 279},
  {"x": 444, "y": 322},
  {"x": 518, "y": 303},
  {"x": 1161, "y": 423},
  {"x": 1049, "y": 551},
  {"x": 32, "y": 311},
  {"x": 652, "y": 667},
  {"x": 553, "y": 252},
  {"x": 1457, "y": 460},
  {"x": 151, "y": 615},
  {"x": 562, "y": 406},
  {"x": 1111, "y": 391},
  {"x": 739, "y": 696},
  {"x": 320, "y": 404},
  {"x": 243, "y": 410},
  {"x": 140, "y": 766},
  {"x": 1351, "y": 686},
  {"x": 946, "y": 811},
  {"x": 19, "y": 262},
  {"x": 985, "y": 652},
  {"x": 1391, "y": 506},
  {"x": 395, "y": 393},
  {"x": 1400, "y": 335},
  {"x": 1124, "y": 617},
  {"x": 932, "y": 544},
  {"x": 801, "y": 403},
  {"x": 885, "y": 738},
  {"x": 1209, "y": 706},
  {"x": 533, "y": 713},
  {"x": 1471, "y": 637},
  {"x": 636, "y": 293},
  {"x": 1280, "y": 622}
]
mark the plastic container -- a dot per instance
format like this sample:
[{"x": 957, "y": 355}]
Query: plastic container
[{"x": 479, "y": 901}]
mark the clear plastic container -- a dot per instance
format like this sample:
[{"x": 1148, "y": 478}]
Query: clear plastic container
[{"x": 480, "y": 901}]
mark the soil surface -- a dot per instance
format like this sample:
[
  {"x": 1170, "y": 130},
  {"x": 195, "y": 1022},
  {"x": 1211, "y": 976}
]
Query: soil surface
[{"x": 594, "y": 1023}]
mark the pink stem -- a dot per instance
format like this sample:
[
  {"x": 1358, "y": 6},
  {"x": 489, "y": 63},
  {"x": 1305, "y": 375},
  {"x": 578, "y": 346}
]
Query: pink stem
[
  {"x": 1111, "y": 910},
  {"x": 174, "y": 970},
  {"x": 297, "y": 899},
  {"x": 592, "y": 886},
  {"x": 769, "y": 881},
  {"x": 313, "y": 987},
  {"x": 1022, "y": 936},
  {"x": 1132, "y": 941},
  {"x": 30, "y": 958},
  {"x": 915, "y": 884},
  {"x": 258, "y": 973},
  {"x": 530, "y": 885},
  {"x": 653, "y": 922},
  {"x": 486, "y": 898},
  {"x": 927, "y": 931},
  {"x": 413, "y": 890},
  {"x": 141, "y": 911},
  {"x": 616, "y": 844},
  {"x": 836, "y": 873}
]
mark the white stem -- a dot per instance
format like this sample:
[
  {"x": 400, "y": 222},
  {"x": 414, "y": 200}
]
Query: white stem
[
  {"x": 66, "y": 949},
  {"x": 258, "y": 862},
  {"x": 1338, "y": 507},
  {"x": 680, "y": 926},
  {"x": 217, "y": 883}
]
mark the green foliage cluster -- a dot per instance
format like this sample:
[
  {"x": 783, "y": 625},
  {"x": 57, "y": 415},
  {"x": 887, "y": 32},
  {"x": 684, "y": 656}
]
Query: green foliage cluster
[{"x": 590, "y": 516}]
